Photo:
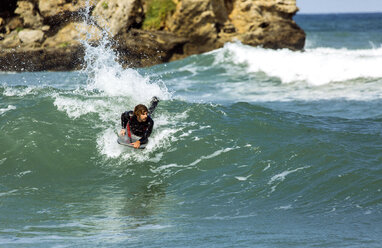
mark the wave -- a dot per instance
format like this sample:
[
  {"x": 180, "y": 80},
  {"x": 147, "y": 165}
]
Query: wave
[
  {"x": 316, "y": 66},
  {"x": 240, "y": 73}
]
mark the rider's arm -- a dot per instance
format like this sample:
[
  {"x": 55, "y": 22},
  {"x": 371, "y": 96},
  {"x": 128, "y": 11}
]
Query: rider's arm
[{"x": 125, "y": 118}]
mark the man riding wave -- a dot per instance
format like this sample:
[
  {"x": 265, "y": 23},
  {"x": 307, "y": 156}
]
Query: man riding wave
[{"x": 139, "y": 122}]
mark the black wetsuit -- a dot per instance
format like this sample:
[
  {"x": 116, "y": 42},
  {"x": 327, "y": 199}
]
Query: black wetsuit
[{"x": 141, "y": 129}]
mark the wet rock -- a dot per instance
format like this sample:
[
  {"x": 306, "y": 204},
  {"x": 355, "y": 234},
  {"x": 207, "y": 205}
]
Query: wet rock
[{"x": 42, "y": 59}]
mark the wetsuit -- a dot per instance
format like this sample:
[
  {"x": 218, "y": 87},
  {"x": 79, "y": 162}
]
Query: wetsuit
[{"x": 141, "y": 129}]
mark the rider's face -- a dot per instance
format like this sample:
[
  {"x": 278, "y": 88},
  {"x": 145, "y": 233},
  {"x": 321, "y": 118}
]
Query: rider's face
[{"x": 142, "y": 117}]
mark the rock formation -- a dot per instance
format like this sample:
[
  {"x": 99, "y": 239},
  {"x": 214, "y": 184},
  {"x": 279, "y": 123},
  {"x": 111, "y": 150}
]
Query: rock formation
[{"x": 47, "y": 34}]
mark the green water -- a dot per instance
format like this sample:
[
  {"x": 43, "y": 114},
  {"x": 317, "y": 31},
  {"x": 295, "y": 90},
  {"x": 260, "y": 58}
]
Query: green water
[{"x": 243, "y": 154}]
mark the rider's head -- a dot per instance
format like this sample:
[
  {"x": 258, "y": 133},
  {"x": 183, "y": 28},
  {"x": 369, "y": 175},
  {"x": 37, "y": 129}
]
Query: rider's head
[{"x": 140, "y": 111}]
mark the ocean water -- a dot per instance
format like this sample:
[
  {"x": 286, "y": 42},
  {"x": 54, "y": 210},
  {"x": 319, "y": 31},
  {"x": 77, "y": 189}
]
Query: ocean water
[{"x": 251, "y": 147}]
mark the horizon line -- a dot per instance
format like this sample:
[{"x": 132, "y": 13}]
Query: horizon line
[{"x": 326, "y": 13}]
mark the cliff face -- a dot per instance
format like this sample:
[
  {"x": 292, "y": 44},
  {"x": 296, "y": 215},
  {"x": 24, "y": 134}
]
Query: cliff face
[{"x": 46, "y": 34}]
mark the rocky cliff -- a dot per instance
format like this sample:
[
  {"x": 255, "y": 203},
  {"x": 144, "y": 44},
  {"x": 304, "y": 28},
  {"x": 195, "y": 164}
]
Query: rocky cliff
[{"x": 47, "y": 34}]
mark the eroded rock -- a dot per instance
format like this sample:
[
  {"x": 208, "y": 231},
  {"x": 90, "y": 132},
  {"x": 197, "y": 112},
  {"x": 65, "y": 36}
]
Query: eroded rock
[
  {"x": 31, "y": 18},
  {"x": 139, "y": 48},
  {"x": 58, "y": 11},
  {"x": 29, "y": 36},
  {"x": 266, "y": 23},
  {"x": 72, "y": 34},
  {"x": 117, "y": 16},
  {"x": 11, "y": 40}
]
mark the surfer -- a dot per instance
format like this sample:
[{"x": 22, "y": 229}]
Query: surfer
[{"x": 139, "y": 122}]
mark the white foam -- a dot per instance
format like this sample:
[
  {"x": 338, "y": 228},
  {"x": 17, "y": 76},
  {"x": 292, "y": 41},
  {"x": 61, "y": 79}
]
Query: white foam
[
  {"x": 243, "y": 178},
  {"x": 281, "y": 177},
  {"x": 9, "y": 108},
  {"x": 2, "y": 161},
  {"x": 106, "y": 75},
  {"x": 162, "y": 137},
  {"x": 11, "y": 192},
  {"x": 316, "y": 66},
  {"x": 267, "y": 167},
  {"x": 206, "y": 157},
  {"x": 74, "y": 108},
  {"x": 13, "y": 91},
  {"x": 214, "y": 154},
  {"x": 284, "y": 207},
  {"x": 107, "y": 144},
  {"x": 23, "y": 173}
]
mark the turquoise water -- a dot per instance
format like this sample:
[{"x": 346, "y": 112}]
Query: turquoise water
[{"x": 251, "y": 148}]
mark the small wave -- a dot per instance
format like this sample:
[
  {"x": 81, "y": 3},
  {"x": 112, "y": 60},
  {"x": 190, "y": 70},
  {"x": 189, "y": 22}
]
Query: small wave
[
  {"x": 19, "y": 91},
  {"x": 277, "y": 179},
  {"x": 9, "y": 108}
]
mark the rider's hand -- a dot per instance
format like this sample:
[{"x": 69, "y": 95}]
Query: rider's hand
[
  {"x": 123, "y": 132},
  {"x": 136, "y": 144}
]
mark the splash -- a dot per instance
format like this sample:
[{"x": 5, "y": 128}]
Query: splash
[
  {"x": 107, "y": 76},
  {"x": 109, "y": 90}
]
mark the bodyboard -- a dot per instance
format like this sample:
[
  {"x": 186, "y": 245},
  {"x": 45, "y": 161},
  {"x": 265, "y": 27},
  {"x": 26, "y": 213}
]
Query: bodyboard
[{"x": 125, "y": 141}]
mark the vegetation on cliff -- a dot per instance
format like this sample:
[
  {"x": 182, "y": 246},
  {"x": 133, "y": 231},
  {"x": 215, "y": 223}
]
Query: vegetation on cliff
[{"x": 157, "y": 12}]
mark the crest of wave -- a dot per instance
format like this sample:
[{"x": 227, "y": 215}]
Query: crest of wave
[{"x": 316, "y": 66}]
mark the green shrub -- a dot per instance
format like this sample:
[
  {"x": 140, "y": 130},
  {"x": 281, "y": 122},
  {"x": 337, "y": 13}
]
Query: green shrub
[
  {"x": 18, "y": 29},
  {"x": 105, "y": 5},
  {"x": 157, "y": 12},
  {"x": 64, "y": 44}
]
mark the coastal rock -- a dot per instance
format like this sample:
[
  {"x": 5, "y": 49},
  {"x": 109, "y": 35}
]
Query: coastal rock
[
  {"x": 139, "y": 48},
  {"x": 208, "y": 24},
  {"x": 266, "y": 23},
  {"x": 72, "y": 33},
  {"x": 197, "y": 20},
  {"x": 31, "y": 18},
  {"x": 58, "y": 11},
  {"x": 28, "y": 36},
  {"x": 13, "y": 24},
  {"x": 143, "y": 32},
  {"x": 11, "y": 40},
  {"x": 39, "y": 59},
  {"x": 117, "y": 16}
]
